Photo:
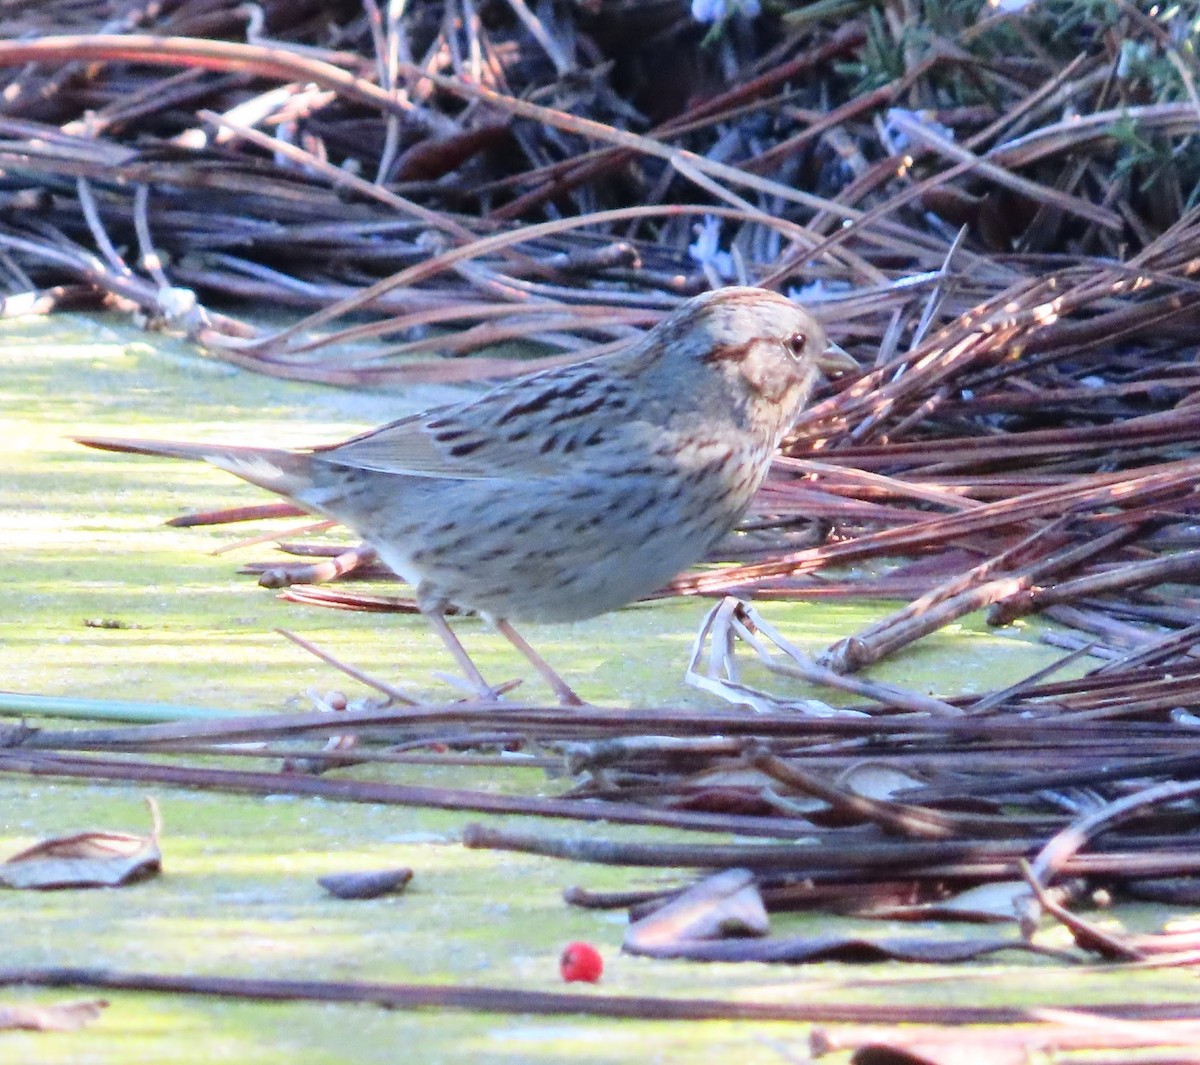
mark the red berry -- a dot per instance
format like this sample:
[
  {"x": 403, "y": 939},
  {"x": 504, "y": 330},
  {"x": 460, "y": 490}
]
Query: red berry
[{"x": 580, "y": 961}]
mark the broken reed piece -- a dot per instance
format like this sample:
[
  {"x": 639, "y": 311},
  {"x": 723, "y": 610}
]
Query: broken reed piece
[
  {"x": 966, "y": 593},
  {"x": 266, "y": 537},
  {"x": 226, "y": 515},
  {"x": 1155, "y": 694},
  {"x": 444, "y": 997},
  {"x": 616, "y": 750},
  {"x": 1087, "y": 935},
  {"x": 1110, "y": 630},
  {"x": 1065, "y": 844},
  {"x": 864, "y": 484},
  {"x": 394, "y": 694},
  {"x": 318, "y": 572},
  {"x": 1009, "y": 696},
  {"x": 915, "y": 821},
  {"x": 1184, "y": 566},
  {"x": 339, "y": 599},
  {"x": 922, "y": 615},
  {"x": 836, "y": 859},
  {"x": 910, "y": 821},
  {"x": 848, "y": 857},
  {"x": 1181, "y": 643}
]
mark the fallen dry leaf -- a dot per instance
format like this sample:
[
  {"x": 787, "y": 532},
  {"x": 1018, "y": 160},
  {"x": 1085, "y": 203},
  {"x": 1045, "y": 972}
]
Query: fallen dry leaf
[
  {"x": 87, "y": 859},
  {"x": 849, "y": 948},
  {"x": 996, "y": 902},
  {"x": 366, "y": 885},
  {"x": 875, "y": 780},
  {"x": 976, "y": 1051},
  {"x": 725, "y": 904}
]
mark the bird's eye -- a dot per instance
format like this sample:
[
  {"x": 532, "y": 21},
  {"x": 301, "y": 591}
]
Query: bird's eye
[{"x": 795, "y": 345}]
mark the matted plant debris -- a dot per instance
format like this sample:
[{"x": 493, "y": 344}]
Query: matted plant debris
[{"x": 994, "y": 208}]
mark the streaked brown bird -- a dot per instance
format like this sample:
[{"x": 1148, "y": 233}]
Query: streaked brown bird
[{"x": 564, "y": 494}]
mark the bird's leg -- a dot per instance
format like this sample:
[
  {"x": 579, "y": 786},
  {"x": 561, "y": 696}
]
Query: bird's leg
[
  {"x": 562, "y": 689},
  {"x": 439, "y": 625}
]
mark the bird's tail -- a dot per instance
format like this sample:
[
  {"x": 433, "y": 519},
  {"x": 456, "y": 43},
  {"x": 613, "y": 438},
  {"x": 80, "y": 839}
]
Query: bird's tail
[{"x": 285, "y": 472}]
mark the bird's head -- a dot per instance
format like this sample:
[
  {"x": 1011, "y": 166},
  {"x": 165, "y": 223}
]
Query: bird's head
[{"x": 766, "y": 350}]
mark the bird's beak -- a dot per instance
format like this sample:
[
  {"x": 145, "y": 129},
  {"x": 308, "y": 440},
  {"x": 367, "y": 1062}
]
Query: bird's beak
[{"x": 836, "y": 361}]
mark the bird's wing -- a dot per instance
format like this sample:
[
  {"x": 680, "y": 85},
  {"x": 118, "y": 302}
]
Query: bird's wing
[
  {"x": 538, "y": 426},
  {"x": 411, "y": 448}
]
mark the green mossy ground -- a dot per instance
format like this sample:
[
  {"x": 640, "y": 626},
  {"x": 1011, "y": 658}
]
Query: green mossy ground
[{"x": 84, "y": 540}]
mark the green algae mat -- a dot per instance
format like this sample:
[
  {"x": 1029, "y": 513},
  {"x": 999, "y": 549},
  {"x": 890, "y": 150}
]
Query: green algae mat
[{"x": 101, "y": 601}]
